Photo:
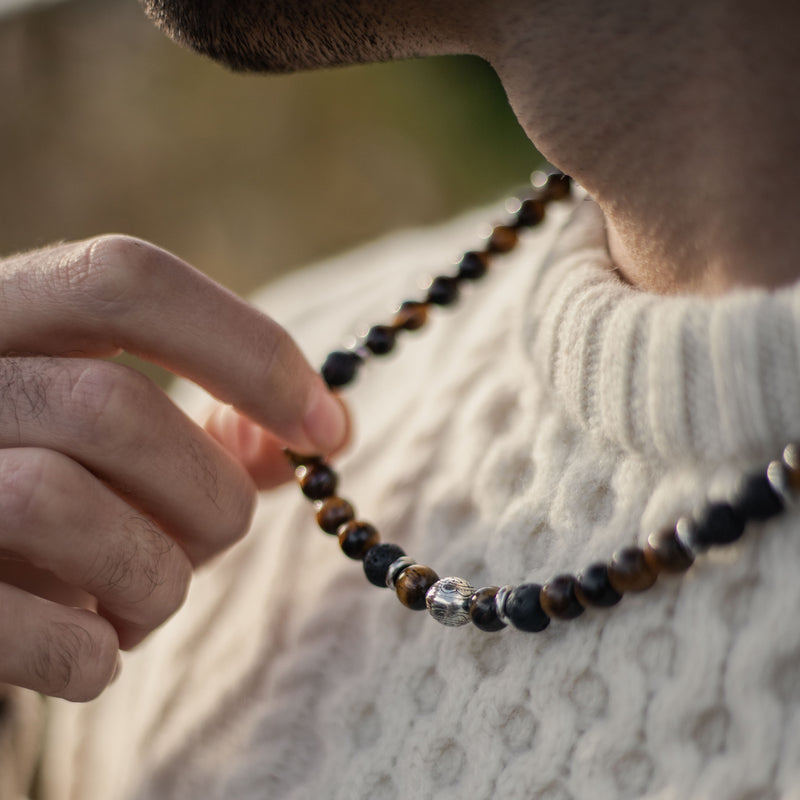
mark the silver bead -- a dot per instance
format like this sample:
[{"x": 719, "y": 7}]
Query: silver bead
[
  {"x": 500, "y": 603},
  {"x": 395, "y": 568},
  {"x": 448, "y": 601}
]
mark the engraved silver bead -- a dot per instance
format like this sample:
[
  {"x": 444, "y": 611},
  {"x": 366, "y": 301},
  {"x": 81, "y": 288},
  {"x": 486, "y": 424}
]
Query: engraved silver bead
[
  {"x": 448, "y": 601},
  {"x": 500, "y": 603},
  {"x": 395, "y": 568}
]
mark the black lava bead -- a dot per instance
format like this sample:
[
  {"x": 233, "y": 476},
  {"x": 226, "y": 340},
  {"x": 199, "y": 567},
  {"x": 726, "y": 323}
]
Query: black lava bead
[
  {"x": 755, "y": 498},
  {"x": 524, "y": 608},
  {"x": 443, "y": 291},
  {"x": 377, "y": 562},
  {"x": 473, "y": 266},
  {"x": 340, "y": 368},
  {"x": 718, "y": 523},
  {"x": 380, "y": 339}
]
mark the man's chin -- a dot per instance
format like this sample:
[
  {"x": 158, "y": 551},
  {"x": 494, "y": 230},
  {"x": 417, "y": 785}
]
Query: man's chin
[
  {"x": 210, "y": 28},
  {"x": 277, "y": 36}
]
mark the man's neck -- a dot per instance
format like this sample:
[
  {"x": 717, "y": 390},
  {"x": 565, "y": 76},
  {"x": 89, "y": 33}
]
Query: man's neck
[{"x": 681, "y": 123}]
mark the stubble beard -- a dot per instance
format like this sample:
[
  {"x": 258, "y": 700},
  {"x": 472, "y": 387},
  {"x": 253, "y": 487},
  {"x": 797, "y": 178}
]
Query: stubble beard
[{"x": 279, "y": 36}]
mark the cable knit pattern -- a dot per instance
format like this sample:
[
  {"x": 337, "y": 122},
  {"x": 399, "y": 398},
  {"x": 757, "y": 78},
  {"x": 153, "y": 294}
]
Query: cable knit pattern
[{"x": 554, "y": 416}]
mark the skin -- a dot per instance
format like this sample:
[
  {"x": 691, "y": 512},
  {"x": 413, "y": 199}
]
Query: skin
[
  {"x": 679, "y": 118},
  {"x": 109, "y": 495}
]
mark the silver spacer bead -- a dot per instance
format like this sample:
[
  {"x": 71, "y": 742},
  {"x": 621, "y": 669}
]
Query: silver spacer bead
[
  {"x": 684, "y": 533},
  {"x": 448, "y": 601},
  {"x": 500, "y": 603},
  {"x": 301, "y": 471},
  {"x": 396, "y": 567},
  {"x": 776, "y": 475}
]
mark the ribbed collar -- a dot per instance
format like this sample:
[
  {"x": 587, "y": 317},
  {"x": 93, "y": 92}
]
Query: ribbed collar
[{"x": 680, "y": 377}]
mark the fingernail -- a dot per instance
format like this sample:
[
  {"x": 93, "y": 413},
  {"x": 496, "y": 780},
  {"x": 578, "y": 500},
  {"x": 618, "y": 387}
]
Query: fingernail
[
  {"x": 117, "y": 669},
  {"x": 325, "y": 422}
]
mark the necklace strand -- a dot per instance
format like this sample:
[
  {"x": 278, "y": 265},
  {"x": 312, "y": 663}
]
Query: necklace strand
[{"x": 453, "y": 601}]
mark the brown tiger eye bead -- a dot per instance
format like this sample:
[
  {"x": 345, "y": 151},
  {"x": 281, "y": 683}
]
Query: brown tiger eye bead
[
  {"x": 355, "y": 538},
  {"x": 411, "y": 316},
  {"x": 558, "y": 598},
  {"x": 483, "y": 610},
  {"x": 793, "y": 478},
  {"x": 664, "y": 552},
  {"x": 317, "y": 481},
  {"x": 333, "y": 513},
  {"x": 531, "y": 213},
  {"x": 628, "y": 571},
  {"x": 791, "y": 461},
  {"x": 558, "y": 186},
  {"x": 412, "y": 585},
  {"x": 300, "y": 460},
  {"x": 503, "y": 239}
]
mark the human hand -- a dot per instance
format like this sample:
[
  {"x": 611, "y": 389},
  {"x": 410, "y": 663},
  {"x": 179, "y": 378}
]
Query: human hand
[{"x": 109, "y": 495}]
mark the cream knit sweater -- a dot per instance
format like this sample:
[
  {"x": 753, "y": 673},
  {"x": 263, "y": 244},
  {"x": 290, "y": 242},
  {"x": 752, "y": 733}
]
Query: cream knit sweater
[{"x": 550, "y": 418}]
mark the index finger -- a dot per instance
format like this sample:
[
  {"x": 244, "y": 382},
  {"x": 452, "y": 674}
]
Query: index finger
[{"x": 99, "y": 296}]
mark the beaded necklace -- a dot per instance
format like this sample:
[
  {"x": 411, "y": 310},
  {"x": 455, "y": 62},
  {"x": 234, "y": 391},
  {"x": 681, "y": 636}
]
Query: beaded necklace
[{"x": 453, "y": 601}]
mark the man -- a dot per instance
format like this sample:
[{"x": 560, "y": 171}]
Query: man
[{"x": 567, "y": 412}]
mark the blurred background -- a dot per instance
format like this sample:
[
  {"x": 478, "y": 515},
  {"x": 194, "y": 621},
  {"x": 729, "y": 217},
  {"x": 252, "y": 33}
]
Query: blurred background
[{"x": 109, "y": 127}]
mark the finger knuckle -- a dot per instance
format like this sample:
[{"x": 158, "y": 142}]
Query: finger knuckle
[
  {"x": 242, "y": 509},
  {"x": 237, "y": 506},
  {"x": 25, "y": 478},
  {"x": 229, "y": 495},
  {"x": 279, "y": 359},
  {"x": 149, "y": 570},
  {"x": 74, "y": 660},
  {"x": 284, "y": 374},
  {"x": 107, "y": 271},
  {"x": 100, "y": 395},
  {"x": 24, "y": 387}
]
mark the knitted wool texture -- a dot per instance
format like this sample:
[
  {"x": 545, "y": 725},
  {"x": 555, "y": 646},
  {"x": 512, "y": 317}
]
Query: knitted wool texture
[{"x": 552, "y": 417}]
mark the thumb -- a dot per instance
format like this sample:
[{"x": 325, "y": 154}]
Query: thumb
[{"x": 260, "y": 452}]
